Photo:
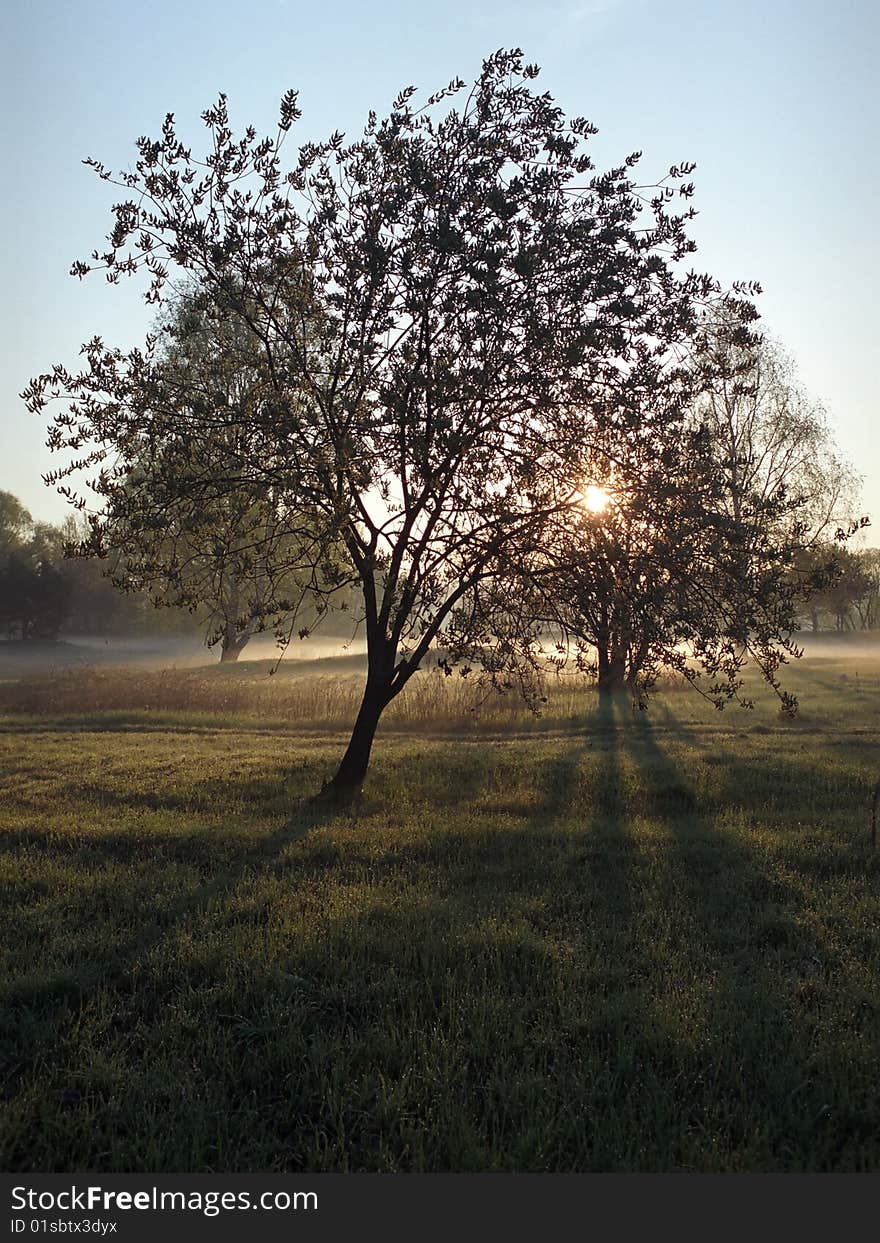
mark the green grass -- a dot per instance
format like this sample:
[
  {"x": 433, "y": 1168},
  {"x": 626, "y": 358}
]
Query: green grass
[{"x": 637, "y": 943}]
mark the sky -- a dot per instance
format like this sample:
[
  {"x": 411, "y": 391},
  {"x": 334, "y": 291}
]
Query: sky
[{"x": 775, "y": 100}]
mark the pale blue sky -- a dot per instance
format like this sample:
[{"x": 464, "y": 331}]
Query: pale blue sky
[{"x": 776, "y": 101}]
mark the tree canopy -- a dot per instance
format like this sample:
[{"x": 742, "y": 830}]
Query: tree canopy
[
  {"x": 710, "y": 557},
  {"x": 16, "y": 523},
  {"x": 456, "y": 316},
  {"x": 196, "y": 522}
]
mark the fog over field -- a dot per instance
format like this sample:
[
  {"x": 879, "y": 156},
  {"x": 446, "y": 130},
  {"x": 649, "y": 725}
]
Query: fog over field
[
  {"x": 163, "y": 651},
  {"x": 18, "y": 659}
]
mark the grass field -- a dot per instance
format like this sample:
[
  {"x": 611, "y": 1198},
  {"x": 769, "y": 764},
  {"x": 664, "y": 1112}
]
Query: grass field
[{"x": 598, "y": 941}]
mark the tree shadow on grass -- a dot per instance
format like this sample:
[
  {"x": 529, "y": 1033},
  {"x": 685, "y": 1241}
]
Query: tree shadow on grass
[
  {"x": 138, "y": 884},
  {"x": 434, "y": 1018},
  {"x": 485, "y": 915},
  {"x": 572, "y": 991},
  {"x": 771, "y": 1087},
  {"x": 157, "y": 879}
]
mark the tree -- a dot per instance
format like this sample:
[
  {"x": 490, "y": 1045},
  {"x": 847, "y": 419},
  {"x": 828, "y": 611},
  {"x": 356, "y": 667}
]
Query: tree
[
  {"x": 867, "y": 604},
  {"x": 636, "y": 579},
  {"x": 16, "y": 524},
  {"x": 489, "y": 310},
  {"x": 33, "y": 594},
  {"x": 102, "y": 598},
  {"x": 230, "y": 553},
  {"x": 720, "y": 570},
  {"x": 45, "y": 586},
  {"x": 33, "y": 597},
  {"x": 848, "y": 590},
  {"x": 773, "y": 441},
  {"x": 782, "y": 471}
]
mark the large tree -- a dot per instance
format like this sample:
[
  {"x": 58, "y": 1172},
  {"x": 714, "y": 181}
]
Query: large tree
[
  {"x": 491, "y": 314},
  {"x": 773, "y": 442}
]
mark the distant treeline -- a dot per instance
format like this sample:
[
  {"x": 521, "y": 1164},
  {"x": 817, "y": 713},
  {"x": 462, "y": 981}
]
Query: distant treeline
[
  {"x": 45, "y": 592},
  {"x": 852, "y": 601}
]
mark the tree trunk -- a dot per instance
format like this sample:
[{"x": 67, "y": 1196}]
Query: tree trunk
[
  {"x": 352, "y": 770},
  {"x": 232, "y": 647},
  {"x": 612, "y": 672}
]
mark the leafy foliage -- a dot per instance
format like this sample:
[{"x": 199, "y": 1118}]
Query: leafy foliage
[
  {"x": 455, "y": 314},
  {"x": 702, "y": 558},
  {"x": 197, "y": 521}
]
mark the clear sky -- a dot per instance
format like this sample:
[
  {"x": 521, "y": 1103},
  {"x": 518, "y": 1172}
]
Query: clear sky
[{"x": 776, "y": 101}]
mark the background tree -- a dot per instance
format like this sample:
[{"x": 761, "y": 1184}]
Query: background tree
[
  {"x": 773, "y": 442},
  {"x": 34, "y": 598},
  {"x": 783, "y": 476},
  {"x": 16, "y": 523},
  {"x": 846, "y": 594},
  {"x": 227, "y": 543},
  {"x": 44, "y": 590},
  {"x": 720, "y": 568},
  {"x": 32, "y": 594},
  {"x": 490, "y": 308},
  {"x": 645, "y": 571},
  {"x": 867, "y": 605}
]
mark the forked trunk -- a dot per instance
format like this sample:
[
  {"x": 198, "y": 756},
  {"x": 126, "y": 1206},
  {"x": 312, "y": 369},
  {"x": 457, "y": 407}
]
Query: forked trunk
[
  {"x": 232, "y": 649},
  {"x": 233, "y": 643},
  {"x": 612, "y": 673}
]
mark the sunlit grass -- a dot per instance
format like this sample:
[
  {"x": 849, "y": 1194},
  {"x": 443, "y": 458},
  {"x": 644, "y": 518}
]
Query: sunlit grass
[{"x": 324, "y": 694}]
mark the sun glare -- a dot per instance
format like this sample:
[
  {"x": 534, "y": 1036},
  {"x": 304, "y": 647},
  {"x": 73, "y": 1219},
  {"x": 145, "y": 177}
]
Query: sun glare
[{"x": 595, "y": 499}]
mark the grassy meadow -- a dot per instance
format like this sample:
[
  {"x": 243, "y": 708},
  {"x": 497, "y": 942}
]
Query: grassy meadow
[{"x": 596, "y": 941}]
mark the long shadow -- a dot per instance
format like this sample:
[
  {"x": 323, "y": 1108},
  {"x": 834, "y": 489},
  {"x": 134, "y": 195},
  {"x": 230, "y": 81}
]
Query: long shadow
[
  {"x": 661, "y": 713},
  {"x": 569, "y": 877},
  {"x": 504, "y": 965},
  {"x": 210, "y": 867},
  {"x": 566, "y": 789},
  {"x": 37, "y": 1009},
  {"x": 521, "y": 966},
  {"x": 762, "y": 1092},
  {"x": 511, "y": 990},
  {"x": 583, "y": 799},
  {"x": 38, "y": 1012}
]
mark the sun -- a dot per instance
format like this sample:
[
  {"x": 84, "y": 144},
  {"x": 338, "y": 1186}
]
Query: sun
[{"x": 595, "y": 499}]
